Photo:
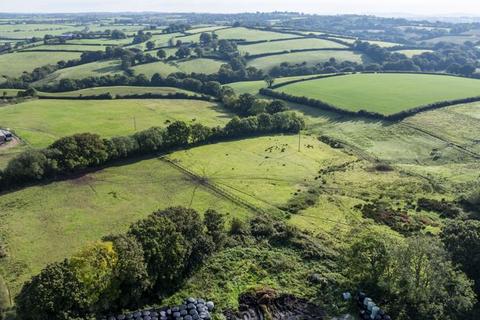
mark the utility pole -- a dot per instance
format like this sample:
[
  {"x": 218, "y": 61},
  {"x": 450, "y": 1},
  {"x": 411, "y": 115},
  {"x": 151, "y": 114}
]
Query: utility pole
[{"x": 299, "y": 136}]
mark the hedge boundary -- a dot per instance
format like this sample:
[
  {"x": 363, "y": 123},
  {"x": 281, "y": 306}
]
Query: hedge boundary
[
  {"x": 108, "y": 96},
  {"x": 276, "y": 53},
  {"x": 317, "y": 103}
]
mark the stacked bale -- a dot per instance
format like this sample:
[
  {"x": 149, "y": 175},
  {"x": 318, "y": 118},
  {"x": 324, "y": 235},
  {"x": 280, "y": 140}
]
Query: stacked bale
[
  {"x": 191, "y": 309},
  {"x": 369, "y": 310}
]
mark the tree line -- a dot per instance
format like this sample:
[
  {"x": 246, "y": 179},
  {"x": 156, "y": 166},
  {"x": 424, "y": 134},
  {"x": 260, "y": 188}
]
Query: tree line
[
  {"x": 124, "y": 271},
  {"x": 75, "y": 153}
]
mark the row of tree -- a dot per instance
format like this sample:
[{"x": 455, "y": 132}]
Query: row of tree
[
  {"x": 78, "y": 152},
  {"x": 124, "y": 271}
]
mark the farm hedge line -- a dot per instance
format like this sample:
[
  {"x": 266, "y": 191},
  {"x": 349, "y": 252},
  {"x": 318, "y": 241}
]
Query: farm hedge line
[
  {"x": 363, "y": 113},
  {"x": 108, "y": 96},
  {"x": 276, "y": 53},
  {"x": 76, "y": 153}
]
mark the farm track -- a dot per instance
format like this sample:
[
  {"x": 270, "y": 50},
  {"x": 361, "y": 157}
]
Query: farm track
[
  {"x": 213, "y": 187},
  {"x": 453, "y": 144}
]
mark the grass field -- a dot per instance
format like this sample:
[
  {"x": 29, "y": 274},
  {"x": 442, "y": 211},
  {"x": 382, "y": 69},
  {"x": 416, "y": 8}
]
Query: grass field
[
  {"x": 411, "y": 53},
  {"x": 251, "y": 34},
  {"x": 40, "y": 122},
  {"x": 67, "y": 47},
  {"x": 205, "y": 29},
  {"x": 199, "y": 65},
  {"x": 253, "y": 87},
  {"x": 265, "y": 171},
  {"x": 14, "y": 64},
  {"x": 280, "y": 46},
  {"x": 385, "y": 93},
  {"x": 121, "y": 90},
  {"x": 27, "y": 31},
  {"x": 9, "y": 92},
  {"x": 458, "y": 39},
  {"x": 93, "y": 69},
  {"x": 311, "y": 58},
  {"x": 47, "y": 223},
  {"x": 101, "y": 41},
  {"x": 384, "y": 44}
]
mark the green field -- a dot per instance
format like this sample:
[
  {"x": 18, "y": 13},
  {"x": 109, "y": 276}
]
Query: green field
[
  {"x": 14, "y": 64},
  {"x": 385, "y": 93},
  {"x": 199, "y": 65},
  {"x": 40, "y": 122},
  {"x": 121, "y": 90},
  {"x": 48, "y": 223},
  {"x": 67, "y": 47},
  {"x": 27, "y": 31},
  {"x": 280, "y": 46},
  {"x": 384, "y": 44},
  {"x": 93, "y": 69},
  {"x": 411, "y": 53},
  {"x": 101, "y": 41},
  {"x": 253, "y": 87},
  {"x": 310, "y": 57},
  {"x": 251, "y": 34},
  {"x": 265, "y": 171},
  {"x": 205, "y": 29}
]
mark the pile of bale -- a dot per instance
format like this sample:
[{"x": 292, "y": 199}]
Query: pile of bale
[
  {"x": 191, "y": 309},
  {"x": 369, "y": 310}
]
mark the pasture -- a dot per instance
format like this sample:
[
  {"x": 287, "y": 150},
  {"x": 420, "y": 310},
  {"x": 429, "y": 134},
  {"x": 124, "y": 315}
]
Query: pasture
[
  {"x": 121, "y": 90},
  {"x": 93, "y": 69},
  {"x": 47, "y": 223},
  {"x": 385, "y": 93},
  {"x": 14, "y": 64},
  {"x": 265, "y": 171},
  {"x": 66, "y": 47},
  {"x": 27, "y": 31},
  {"x": 101, "y": 41},
  {"x": 199, "y": 65},
  {"x": 310, "y": 57},
  {"x": 246, "y": 34},
  {"x": 41, "y": 122},
  {"x": 287, "y": 45},
  {"x": 411, "y": 53}
]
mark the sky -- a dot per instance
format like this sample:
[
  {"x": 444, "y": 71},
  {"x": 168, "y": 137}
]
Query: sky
[{"x": 409, "y": 7}]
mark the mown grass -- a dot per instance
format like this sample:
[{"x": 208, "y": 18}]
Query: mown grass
[
  {"x": 204, "y": 29},
  {"x": 93, "y": 69},
  {"x": 47, "y": 223},
  {"x": 251, "y": 34},
  {"x": 253, "y": 87},
  {"x": 310, "y": 57},
  {"x": 67, "y": 47},
  {"x": 120, "y": 90},
  {"x": 385, "y": 93},
  {"x": 199, "y": 65},
  {"x": 40, "y": 122},
  {"x": 280, "y": 46},
  {"x": 27, "y": 31},
  {"x": 411, "y": 53},
  {"x": 14, "y": 64}
]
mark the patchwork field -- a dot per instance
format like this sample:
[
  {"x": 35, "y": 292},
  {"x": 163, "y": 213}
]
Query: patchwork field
[
  {"x": 67, "y": 47},
  {"x": 27, "y": 31},
  {"x": 251, "y": 34},
  {"x": 385, "y": 93},
  {"x": 199, "y": 65},
  {"x": 93, "y": 69},
  {"x": 411, "y": 53},
  {"x": 14, "y": 64},
  {"x": 48, "y": 223},
  {"x": 287, "y": 45},
  {"x": 310, "y": 57},
  {"x": 40, "y": 122},
  {"x": 121, "y": 90},
  {"x": 101, "y": 41},
  {"x": 265, "y": 171}
]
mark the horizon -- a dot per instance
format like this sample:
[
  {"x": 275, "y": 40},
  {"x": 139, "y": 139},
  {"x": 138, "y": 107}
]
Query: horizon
[{"x": 428, "y": 8}]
